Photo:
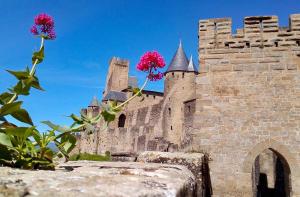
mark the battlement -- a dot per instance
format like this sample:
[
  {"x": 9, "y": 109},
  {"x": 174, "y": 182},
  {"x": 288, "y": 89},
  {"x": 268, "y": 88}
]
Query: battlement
[
  {"x": 119, "y": 61},
  {"x": 258, "y": 31},
  {"x": 260, "y": 41}
]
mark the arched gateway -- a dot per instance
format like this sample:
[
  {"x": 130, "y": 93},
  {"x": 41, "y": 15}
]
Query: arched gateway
[{"x": 271, "y": 166}]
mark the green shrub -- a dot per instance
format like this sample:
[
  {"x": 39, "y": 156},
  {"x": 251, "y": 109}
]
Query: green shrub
[{"x": 90, "y": 157}]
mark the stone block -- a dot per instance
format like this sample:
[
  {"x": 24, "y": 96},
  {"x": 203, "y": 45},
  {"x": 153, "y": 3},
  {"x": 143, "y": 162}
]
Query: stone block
[{"x": 87, "y": 178}]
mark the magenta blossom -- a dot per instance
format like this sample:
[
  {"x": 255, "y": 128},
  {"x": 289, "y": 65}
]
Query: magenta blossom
[
  {"x": 43, "y": 26},
  {"x": 150, "y": 62}
]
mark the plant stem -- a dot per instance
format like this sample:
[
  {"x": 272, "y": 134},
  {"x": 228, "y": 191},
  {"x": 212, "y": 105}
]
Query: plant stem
[
  {"x": 135, "y": 95},
  {"x": 35, "y": 62},
  {"x": 31, "y": 73}
]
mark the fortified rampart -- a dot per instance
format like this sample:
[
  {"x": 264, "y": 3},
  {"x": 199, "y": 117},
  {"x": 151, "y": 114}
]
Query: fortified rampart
[
  {"x": 248, "y": 102},
  {"x": 242, "y": 108}
]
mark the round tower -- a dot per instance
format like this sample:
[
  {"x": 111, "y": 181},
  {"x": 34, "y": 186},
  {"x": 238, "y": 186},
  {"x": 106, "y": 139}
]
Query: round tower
[{"x": 179, "y": 87}]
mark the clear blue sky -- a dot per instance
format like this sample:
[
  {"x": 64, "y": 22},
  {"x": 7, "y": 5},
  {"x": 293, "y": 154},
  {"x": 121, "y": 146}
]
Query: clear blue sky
[{"x": 89, "y": 33}]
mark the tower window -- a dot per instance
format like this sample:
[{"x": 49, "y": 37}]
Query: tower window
[
  {"x": 276, "y": 44},
  {"x": 153, "y": 96},
  {"x": 171, "y": 128},
  {"x": 173, "y": 75},
  {"x": 182, "y": 75},
  {"x": 169, "y": 111},
  {"x": 248, "y": 44},
  {"x": 122, "y": 119}
]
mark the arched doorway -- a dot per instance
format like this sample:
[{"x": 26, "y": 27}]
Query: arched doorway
[
  {"x": 122, "y": 120},
  {"x": 271, "y": 175}
]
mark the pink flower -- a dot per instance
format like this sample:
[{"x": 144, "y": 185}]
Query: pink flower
[
  {"x": 44, "y": 26},
  {"x": 150, "y": 62}
]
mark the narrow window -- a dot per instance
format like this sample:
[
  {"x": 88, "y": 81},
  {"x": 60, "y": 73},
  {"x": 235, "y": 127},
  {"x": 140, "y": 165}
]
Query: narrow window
[
  {"x": 182, "y": 75},
  {"x": 171, "y": 128},
  {"x": 298, "y": 42},
  {"x": 122, "y": 119},
  {"x": 189, "y": 108},
  {"x": 248, "y": 44},
  {"x": 173, "y": 75},
  {"x": 276, "y": 44},
  {"x": 153, "y": 96},
  {"x": 169, "y": 111}
]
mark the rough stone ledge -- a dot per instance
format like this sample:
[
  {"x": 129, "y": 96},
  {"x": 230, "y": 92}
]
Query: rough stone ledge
[
  {"x": 86, "y": 178},
  {"x": 193, "y": 161}
]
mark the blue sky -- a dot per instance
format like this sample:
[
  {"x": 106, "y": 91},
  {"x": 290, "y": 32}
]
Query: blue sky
[{"x": 89, "y": 33}]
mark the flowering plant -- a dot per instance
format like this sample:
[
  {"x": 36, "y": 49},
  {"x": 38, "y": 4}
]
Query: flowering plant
[
  {"x": 43, "y": 26},
  {"x": 25, "y": 146},
  {"x": 150, "y": 62}
]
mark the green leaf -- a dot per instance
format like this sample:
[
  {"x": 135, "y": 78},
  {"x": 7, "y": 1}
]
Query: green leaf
[
  {"x": 77, "y": 119},
  {"x": 136, "y": 90},
  {"x": 56, "y": 127},
  {"x": 68, "y": 141},
  {"x": 23, "y": 116},
  {"x": 5, "y": 97},
  {"x": 36, "y": 84},
  {"x": 39, "y": 56},
  {"x": 5, "y": 140},
  {"x": 22, "y": 88},
  {"x": 23, "y": 132},
  {"x": 19, "y": 74},
  {"x": 10, "y": 108},
  {"x": 108, "y": 115}
]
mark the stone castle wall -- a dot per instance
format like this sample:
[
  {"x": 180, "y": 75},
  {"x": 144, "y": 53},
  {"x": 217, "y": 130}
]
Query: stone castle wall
[
  {"x": 248, "y": 100},
  {"x": 244, "y": 101},
  {"x": 137, "y": 135}
]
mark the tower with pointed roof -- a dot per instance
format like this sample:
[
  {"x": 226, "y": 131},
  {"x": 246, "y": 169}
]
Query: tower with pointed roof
[{"x": 179, "y": 87}]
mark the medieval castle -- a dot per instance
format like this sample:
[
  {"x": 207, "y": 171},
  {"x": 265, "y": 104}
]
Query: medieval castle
[{"x": 241, "y": 106}]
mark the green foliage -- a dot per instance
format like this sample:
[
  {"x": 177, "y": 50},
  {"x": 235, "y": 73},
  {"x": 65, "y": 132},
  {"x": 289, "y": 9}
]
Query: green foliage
[
  {"x": 26, "y": 147},
  {"x": 38, "y": 56},
  {"x": 137, "y": 91},
  {"x": 90, "y": 157},
  {"x": 109, "y": 111}
]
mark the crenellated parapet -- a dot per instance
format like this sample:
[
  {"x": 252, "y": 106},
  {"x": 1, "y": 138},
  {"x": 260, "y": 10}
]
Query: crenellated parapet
[{"x": 260, "y": 34}]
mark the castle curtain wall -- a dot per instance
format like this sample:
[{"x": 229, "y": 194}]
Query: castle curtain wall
[{"x": 248, "y": 99}]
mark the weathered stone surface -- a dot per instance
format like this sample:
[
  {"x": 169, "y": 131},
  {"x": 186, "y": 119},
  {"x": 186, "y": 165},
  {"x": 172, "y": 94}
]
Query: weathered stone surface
[
  {"x": 86, "y": 178},
  {"x": 246, "y": 101},
  {"x": 193, "y": 161}
]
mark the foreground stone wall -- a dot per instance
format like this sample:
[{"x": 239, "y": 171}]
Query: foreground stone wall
[
  {"x": 107, "y": 179},
  {"x": 248, "y": 100}
]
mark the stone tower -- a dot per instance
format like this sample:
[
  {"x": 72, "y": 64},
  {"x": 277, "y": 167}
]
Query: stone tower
[
  {"x": 117, "y": 77},
  {"x": 179, "y": 87}
]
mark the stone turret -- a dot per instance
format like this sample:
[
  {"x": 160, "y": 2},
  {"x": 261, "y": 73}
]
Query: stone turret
[{"x": 179, "y": 87}]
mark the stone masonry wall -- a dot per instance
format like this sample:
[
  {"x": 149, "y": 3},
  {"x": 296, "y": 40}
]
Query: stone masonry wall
[
  {"x": 137, "y": 135},
  {"x": 248, "y": 99}
]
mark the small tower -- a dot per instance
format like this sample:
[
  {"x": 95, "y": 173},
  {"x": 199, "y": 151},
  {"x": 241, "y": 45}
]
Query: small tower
[
  {"x": 94, "y": 107},
  {"x": 179, "y": 87},
  {"x": 117, "y": 77}
]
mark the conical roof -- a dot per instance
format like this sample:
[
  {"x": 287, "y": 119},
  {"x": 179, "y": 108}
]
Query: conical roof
[
  {"x": 179, "y": 61},
  {"x": 191, "y": 66},
  {"x": 94, "y": 102}
]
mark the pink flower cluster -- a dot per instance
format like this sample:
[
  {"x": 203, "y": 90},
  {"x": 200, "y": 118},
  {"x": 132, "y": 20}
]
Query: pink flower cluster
[
  {"x": 150, "y": 62},
  {"x": 43, "y": 25}
]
